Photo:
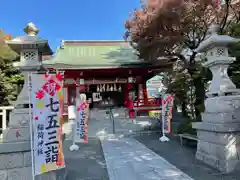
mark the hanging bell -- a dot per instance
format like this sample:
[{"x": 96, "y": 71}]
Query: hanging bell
[
  {"x": 98, "y": 88},
  {"x": 111, "y": 88},
  {"x": 115, "y": 87},
  {"x": 103, "y": 88},
  {"x": 99, "y": 97},
  {"x": 108, "y": 89},
  {"x": 119, "y": 88}
]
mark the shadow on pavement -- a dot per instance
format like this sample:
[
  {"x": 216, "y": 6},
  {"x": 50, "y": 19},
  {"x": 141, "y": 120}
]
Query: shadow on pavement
[
  {"x": 86, "y": 164},
  {"x": 183, "y": 158}
]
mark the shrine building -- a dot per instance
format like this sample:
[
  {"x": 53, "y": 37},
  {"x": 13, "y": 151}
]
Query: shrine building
[{"x": 108, "y": 72}]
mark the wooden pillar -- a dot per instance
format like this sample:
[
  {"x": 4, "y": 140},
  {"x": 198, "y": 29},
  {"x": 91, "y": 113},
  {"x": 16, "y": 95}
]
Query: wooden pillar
[
  {"x": 126, "y": 95},
  {"x": 139, "y": 93},
  {"x": 145, "y": 95},
  {"x": 65, "y": 101},
  {"x": 130, "y": 100}
]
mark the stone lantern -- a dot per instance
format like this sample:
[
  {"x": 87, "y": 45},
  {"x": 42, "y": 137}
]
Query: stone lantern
[
  {"x": 31, "y": 48},
  {"x": 15, "y": 149},
  {"x": 219, "y": 131}
]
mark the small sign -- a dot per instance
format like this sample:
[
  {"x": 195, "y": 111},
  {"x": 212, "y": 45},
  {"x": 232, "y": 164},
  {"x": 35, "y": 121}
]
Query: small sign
[
  {"x": 130, "y": 80},
  {"x": 81, "y": 81}
]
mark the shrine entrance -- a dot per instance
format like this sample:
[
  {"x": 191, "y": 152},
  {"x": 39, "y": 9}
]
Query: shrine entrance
[
  {"x": 103, "y": 94},
  {"x": 108, "y": 72},
  {"x": 122, "y": 92}
]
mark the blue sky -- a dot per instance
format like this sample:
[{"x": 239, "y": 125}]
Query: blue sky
[{"x": 69, "y": 19}]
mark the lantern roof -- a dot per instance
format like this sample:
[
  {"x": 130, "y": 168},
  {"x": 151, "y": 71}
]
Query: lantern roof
[
  {"x": 215, "y": 40},
  {"x": 30, "y": 41}
]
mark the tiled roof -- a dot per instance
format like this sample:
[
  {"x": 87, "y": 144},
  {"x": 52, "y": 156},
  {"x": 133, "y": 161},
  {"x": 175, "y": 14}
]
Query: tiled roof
[{"x": 94, "y": 53}]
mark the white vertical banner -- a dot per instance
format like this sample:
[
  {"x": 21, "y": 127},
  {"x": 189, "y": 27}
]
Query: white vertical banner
[
  {"x": 81, "y": 131},
  {"x": 47, "y": 107},
  {"x": 167, "y": 104}
]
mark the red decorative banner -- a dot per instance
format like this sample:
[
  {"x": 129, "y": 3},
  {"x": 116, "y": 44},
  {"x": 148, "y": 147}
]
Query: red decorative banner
[
  {"x": 47, "y": 100},
  {"x": 167, "y": 105}
]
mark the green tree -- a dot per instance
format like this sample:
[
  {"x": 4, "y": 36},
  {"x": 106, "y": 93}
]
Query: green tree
[
  {"x": 10, "y": 77},
  {"x": 165, "y": 28},
  {"x": 234, "y": 69}
]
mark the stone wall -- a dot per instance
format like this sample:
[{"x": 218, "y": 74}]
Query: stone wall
[{"x": 15, "y": 165}]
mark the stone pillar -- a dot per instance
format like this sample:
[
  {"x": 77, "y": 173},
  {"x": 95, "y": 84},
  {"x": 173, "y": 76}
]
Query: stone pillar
[
  {"x": 131, "y": 113},
  {"x": 219, "y": 131},
  {"x": 15, "y": 150}
]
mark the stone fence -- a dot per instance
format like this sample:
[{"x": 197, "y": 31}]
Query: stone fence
[{"x": 4, "y": 117}]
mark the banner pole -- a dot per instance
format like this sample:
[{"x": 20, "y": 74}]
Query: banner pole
[
  {"x": 31, "y": 123},
  {"x": 74, "y": 146},
  {"x": 164, "y": 138},
  {"x": 74, "y": 131}
]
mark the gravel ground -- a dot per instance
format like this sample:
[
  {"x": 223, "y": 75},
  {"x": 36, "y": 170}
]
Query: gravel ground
[
  {"x": 86, "y": 164},
  {"x": 183, "y": 158}
]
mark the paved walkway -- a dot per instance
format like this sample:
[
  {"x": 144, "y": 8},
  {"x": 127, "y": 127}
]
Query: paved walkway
[
  {"x": 86, "y": 164},
  {"x": 127, "y": 159},
  {"x": 100, "y": 124},
  {"x": 183, "y": 157}
]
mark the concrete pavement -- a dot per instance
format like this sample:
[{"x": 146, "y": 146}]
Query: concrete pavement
[
  {"x": 101, "y": 125},
  {"x": 124, "y": 158},
  {"x": 86, "y": 164},
  {"x": 127, "y": 159},
  {"x": 183, "y": 157},
  {"x": 117, "y": 157}
]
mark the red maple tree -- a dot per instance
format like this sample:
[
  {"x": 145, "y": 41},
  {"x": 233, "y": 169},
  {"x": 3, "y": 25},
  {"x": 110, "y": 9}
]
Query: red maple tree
[
  {"x": 167, "y": 27},
  {"x": 163, "y": 26}
]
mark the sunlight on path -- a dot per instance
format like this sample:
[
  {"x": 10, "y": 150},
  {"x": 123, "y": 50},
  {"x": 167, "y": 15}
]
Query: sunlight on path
[{"x": 126, "y": 159}]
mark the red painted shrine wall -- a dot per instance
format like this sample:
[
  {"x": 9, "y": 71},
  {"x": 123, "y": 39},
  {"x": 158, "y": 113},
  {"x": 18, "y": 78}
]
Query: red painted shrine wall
[{"x": 108, "y": 76}]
